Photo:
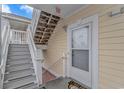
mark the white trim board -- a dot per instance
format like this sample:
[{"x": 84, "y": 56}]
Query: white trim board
[
  {"x": 94, "y": 20},
  {"x": 52, "y": 72},
  {"x": 15, "y": 17}
]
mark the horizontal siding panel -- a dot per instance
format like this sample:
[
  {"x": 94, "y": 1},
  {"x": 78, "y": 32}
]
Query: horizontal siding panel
[
  {"x": 111, "y": 83},
  {"x": 115, "y": 27},
  {"x": 105, "y": 18},
  {"x": 118, "y": 60},
  {"x": 113, "y": 73},
  {"x": 119, "y": 67},
  {"x": 111, "y": 21},
  {"x": 112, "y": 53},
  {"x": 102, "y": 86},
  {"x": 111, "y": 62},
  {"x": 118, "y": 33},
  {"x": 112, "y": 40},
  {"x": 113, "y": 79},
  {"x": 110, "y": 8},
  {"x": 111, "y": 46}
]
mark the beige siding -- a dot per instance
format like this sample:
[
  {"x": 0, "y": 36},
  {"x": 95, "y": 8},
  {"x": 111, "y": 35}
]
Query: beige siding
[
  {"x": 56, "y": 47},
  {"x": 111, "y": 44},
  {"x": 111, "y": 50}
]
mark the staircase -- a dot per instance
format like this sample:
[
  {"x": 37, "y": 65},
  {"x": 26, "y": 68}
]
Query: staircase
[
  {"x": 19, "y": 71},
  {"x": 22, "y": 62}
]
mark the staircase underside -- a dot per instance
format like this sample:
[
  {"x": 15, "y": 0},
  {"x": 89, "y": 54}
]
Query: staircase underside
[{"x": 45, "y": 27}]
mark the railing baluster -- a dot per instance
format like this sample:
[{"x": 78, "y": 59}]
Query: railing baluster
[
  {"x": 15, "y": 37},
  {"x": 22, "y": 38},
  {"x": 18, "y": 37}
]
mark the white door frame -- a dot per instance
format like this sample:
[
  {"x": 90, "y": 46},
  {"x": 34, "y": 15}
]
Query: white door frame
[{"x": 94, "y": 20}]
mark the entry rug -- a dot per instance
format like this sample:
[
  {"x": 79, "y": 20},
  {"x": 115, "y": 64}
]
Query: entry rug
[{"x": 74, "y": 85}]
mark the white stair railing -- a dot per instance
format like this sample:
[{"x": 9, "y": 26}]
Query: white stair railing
[
  {"x": 18, "y": 37},
  {"x": 5, "y": 45},
  {"x": 37, "y": 56},
  {"x": 35, "y": 19}
]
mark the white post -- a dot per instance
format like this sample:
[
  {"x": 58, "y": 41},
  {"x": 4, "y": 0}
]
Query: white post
[{"x": 64, "y": 65}]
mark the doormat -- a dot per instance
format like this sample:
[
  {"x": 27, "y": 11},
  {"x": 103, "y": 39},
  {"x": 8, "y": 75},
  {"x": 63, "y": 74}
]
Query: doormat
[
  {"x": 43, "y": 87},
  {"x": 74, "y": 85}
]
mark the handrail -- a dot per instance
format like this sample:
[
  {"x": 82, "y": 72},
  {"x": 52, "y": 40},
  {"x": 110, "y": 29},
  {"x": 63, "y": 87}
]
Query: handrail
[
  {"x": 21, "y": 31},
  {"x": 5, "y": 45},
  {"x": 35, "y": 19},
  {"x": 36, "y": 55},
  {"x": 5, "y": 42},
  {"x": 32, "y": 43},
  {"x": 62, "y": 58}
]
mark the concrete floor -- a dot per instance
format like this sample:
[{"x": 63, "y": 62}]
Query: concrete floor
[
  {"x": 60, "y": 83},
  {"x": 52, "y": 82}
]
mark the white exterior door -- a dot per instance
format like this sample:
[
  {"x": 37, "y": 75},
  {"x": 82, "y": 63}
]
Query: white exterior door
[
  {"x": 81, "y": 54},
  {"x": 83, "y": 48}
]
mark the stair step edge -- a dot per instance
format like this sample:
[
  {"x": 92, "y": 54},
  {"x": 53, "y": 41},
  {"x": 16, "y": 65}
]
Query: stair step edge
[
  {"x": 16, "y": 87},
  {"x": 9, "y": 80},
  {"x": 18, "y": 59},
  {"x": 18, "y": 64},
  {"x": 13, "y": 58},
  {"x": 19, "y": 70},
  {"x": 18, "y": 55},
  {"x": 35, "y": 83},
  {"x": 15, "y": 63}
]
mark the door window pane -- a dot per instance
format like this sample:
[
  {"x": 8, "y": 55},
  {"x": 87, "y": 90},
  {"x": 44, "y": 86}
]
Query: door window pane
[
  {"x": 80, "y": 59},
  {"x": 80, "y": 37}
]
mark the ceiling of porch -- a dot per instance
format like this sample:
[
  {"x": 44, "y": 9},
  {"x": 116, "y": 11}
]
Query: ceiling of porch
[{"x": 64, "y": 10}]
